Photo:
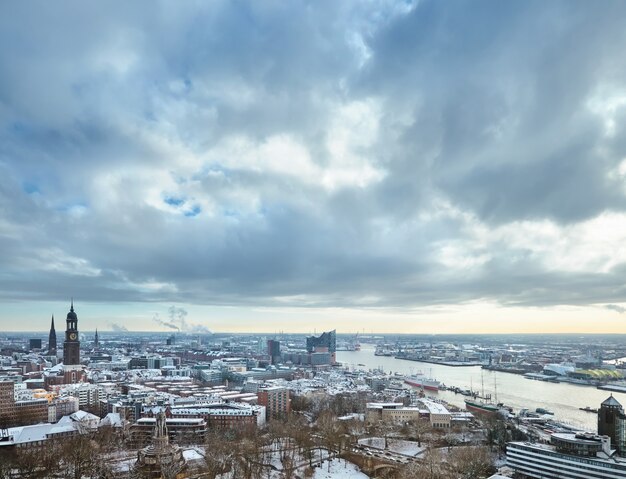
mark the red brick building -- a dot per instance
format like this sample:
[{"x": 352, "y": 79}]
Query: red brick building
[
  {"x": 20, "y": 413},
  {"x": 276, "y": 401},
  {"x": 220, "y": 415}
]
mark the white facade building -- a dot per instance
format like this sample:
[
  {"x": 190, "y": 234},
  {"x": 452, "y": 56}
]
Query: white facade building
[
  {"x": 438, "y": 414},
  {"x": 88, "y": 395},
  {"x": 391, "y": 411}
]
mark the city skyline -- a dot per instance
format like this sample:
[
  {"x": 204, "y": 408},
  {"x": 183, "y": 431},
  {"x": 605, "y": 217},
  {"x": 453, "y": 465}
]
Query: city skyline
[{"x": 402, "y": 167}]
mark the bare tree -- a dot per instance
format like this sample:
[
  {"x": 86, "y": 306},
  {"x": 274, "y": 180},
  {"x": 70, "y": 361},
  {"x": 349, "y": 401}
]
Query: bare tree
[
  {"x": 418, "y": 428},
  {"x": 385, "y": 428},
  {"x": 300, "y": 403},
  {"x": 300, "y": 431},
  {"x": 432, "y": 466},
  {"x": 79, "y": 456},
  {"x": 497, "y": 433},
  {"x": 33, "y": 461},
  {"x": 329, "y": 429},
  {"x": 25, "y": 463},
  {"x": 471, "y": 462},
  {"x": 170, "y": 471},
  {"x": 451, "y": 439},
  {"x": 218, "y": 454}
]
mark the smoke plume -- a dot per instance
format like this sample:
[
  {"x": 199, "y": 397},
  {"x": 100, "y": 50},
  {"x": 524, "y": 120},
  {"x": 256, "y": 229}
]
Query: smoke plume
[
  {"x": 177, "y": 320},
  {"x": 117, "y": 327},
  {"x": 168, "y": 324}
]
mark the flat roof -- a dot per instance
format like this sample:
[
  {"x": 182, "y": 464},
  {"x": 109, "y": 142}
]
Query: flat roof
[
  {"x": 552, "y": 449},
  {"x": 383, "y": 405},
  {"x": 435, "y": 407},
  {"x": 149, "y": 420},
  {"x": 271, "y": 388},
  {"x": 589, "y": 438}
]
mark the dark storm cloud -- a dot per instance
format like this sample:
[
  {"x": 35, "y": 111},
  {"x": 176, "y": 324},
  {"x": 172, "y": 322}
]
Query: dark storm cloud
[
  {"x": 335, "y": 154},
  {"x": 499, "y": 95}
]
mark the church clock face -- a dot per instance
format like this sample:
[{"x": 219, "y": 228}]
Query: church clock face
[{"x": 73, "y": 336}]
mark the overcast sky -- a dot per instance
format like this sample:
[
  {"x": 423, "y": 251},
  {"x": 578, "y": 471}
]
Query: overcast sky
[{"x": 427, "y": 166}]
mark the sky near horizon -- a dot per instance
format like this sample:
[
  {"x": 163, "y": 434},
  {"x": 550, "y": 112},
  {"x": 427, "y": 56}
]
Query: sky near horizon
[{"x": 399, "y": 166}]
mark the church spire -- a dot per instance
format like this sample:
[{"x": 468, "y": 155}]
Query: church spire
[
  {"x": 52, "y": 339},
  {"x": 72, "y": 305}
]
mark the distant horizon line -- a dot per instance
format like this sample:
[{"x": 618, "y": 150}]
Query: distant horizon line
[{"x": 364, "y": 335}]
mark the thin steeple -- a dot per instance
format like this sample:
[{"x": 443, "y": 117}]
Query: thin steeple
[{"x": 52, "y": 339}]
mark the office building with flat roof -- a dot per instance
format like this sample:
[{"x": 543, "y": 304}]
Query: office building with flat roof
[
  {"x": 568, "y": 456},
  {"x": 276, "y": 401}
]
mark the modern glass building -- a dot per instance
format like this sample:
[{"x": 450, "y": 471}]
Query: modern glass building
[
  {"x": 569, "y": 456},
  {"x": 325, "y": 343},
  {"x": 612, "y": 423}
]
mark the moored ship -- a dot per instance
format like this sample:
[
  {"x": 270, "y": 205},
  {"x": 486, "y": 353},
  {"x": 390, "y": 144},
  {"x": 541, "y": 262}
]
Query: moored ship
[
  {"x": 423, "y": 383},
  {"x": 384, "y": 350},
  {"x": 544, "y": 411},
  {"x": 487, "y": 407},
  {"x": 481, "y": 406}
]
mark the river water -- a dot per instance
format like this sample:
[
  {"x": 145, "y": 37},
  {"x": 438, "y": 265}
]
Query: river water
[{"x": 512, "y": 389}]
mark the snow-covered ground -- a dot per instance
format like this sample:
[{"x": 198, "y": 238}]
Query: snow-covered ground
[
  {"x": 193, "y": 454},
  {"x": 339, "y": 469}
]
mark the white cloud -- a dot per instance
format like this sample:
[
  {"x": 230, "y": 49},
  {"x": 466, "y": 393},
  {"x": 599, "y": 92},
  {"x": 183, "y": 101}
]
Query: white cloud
[
  {"x": 58, "y": 261},
  {"x": 375, "y": 154}
]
